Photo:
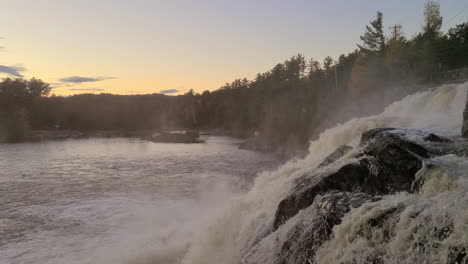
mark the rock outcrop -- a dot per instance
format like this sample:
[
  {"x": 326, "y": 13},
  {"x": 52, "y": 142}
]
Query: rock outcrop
[
  {"x": 385, "y": 162},
  {"x": 308, "y": 229},
  {"x": 465, "y": 121},
  {"x": 388, "y": 164},
  {"x": 336, "y": 155}
]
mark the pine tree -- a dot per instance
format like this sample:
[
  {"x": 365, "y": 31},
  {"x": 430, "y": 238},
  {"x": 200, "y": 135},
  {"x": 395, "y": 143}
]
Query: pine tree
[{"x": 374, "y": 38}]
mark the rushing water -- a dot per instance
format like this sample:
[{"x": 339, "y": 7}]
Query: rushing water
[
  {"x": 115, "y": 200},
  {"x": 128, "y": 201},
  {"x": 247, "y": 223}
]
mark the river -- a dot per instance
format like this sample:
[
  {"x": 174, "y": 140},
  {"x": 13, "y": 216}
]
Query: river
[{"x": 115, "y": 200}]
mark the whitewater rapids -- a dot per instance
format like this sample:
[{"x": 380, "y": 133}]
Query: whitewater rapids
[{"x": 442, "y": 201}]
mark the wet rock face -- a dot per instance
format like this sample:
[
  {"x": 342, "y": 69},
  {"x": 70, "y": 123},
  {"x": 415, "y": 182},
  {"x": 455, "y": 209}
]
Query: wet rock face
[
  {"x": 436, "y": 138},
  {"x": 388, "y": 165},
  {"x": 392, "y": 163},
  {"x": 348, "y": 178},
  {"x": 336, "y": 155},
  {"x": 372, "y": 133},
  {"x": 465, "y": 121},
  {"x": 298, "y": 240}
]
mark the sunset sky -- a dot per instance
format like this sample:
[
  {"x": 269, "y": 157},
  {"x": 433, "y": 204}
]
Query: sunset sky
[{"x": 143, "y": 46}]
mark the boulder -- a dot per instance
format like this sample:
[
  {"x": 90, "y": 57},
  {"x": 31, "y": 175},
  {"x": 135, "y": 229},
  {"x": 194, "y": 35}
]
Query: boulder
[
  {"x": 347, "y": 178},
  {"x": 388, "y": 164},
  {"x": 298, "y": 240}
]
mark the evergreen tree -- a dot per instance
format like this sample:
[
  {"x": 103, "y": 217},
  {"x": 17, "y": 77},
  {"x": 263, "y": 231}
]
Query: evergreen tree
[{"x": 374, "y": 38}]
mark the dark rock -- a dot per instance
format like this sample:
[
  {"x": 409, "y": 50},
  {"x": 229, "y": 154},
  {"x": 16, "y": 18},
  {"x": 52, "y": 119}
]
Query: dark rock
[
  {"x": 297, "y": 241},
  {"x": 347, "y": 178},
  {"x": 371, "y": 133},
  {"x": 435, "y": 138},
  {"x": 457, "y": 255},
  {"x": 390, "y": 166},
  {"x": 335, "y": 155},
  {"x": 42, "y": 135},
  {"x": 392, "y": 163},
  {"x": 187, "y": 137},
  {"x": 465, "y": 121},
  {"x": 387, "y": 218}
]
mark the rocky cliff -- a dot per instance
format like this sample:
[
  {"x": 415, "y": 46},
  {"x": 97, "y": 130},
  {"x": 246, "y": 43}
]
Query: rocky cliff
[{"x": 465, "y": 120}]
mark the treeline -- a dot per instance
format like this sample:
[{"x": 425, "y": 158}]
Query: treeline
[{"x": 287, "y": 104}]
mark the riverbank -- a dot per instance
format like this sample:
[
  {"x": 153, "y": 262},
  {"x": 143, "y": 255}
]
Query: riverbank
[
  {"x": 150, "y": 135},
  {"x": 253, "y": 143}
]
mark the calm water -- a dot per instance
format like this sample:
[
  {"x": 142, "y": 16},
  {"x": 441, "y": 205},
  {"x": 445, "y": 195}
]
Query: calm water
[{"x": 115, "y": 200}]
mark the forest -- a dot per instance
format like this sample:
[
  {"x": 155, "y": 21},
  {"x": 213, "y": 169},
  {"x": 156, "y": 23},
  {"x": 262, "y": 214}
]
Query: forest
[{"x": 287, "y": 105}]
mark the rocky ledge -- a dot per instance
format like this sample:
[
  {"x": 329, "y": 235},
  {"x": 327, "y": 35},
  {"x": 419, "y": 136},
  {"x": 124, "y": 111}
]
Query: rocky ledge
[{"x": 385, "y": 162}]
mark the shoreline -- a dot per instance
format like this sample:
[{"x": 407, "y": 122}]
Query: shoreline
[
  {"x": 53, "y": 135},
  {"x": 249, "y": 143}
]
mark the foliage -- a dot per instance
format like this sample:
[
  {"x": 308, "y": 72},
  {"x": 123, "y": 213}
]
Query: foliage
[{"x": 16, "y": 98}]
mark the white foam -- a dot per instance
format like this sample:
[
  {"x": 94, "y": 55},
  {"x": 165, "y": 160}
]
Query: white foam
[{"x": 231, "y": 235}]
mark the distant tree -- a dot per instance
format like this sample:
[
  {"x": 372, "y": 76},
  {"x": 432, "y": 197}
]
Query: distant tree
[
  {"x": 315, "y": 74},
  {"x": 37, "y": 88},
  {"x": 16, "y": 100},
  {"x": 374, "y": 38},
  {"x": 456, "y": 47},
  {"x": 328, "y": 68},
  {"x": 190, "y": 92},
  {"x": 396, "y": 34},
  {"x": 428, "y": 51},
  {"x": 328, "y": 64},
  {"x": 432, "y": 20},
  {"x": 295, "y": 67}
]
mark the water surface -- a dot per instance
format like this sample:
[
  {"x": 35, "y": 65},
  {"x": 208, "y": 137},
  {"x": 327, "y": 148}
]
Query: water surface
[{"x": 115, "y": 200}]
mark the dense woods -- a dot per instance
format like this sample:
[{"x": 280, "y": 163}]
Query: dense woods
[{"x": 287, "y": 105}]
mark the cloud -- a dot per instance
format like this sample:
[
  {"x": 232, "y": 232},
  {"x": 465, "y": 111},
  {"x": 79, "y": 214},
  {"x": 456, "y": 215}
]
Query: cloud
[
  {"x": 169, "y": 91},
  {"x": 55, "y": 85},
  {"x": 80, "y": 79},
  {"x": 12, "y": 70},
  {"x": 2, "y": 48},
  {"x": 86, "y": 89}
]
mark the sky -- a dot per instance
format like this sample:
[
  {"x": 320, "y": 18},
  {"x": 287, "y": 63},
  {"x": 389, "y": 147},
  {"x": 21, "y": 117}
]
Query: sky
[{"x": 172, "y": 46}]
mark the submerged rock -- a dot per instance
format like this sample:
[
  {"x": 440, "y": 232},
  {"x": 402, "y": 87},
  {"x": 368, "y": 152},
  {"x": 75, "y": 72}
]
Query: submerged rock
[
  {"x": 257, "y": 143},
  {"x": 187, "y": 137},
  {"x": 436, "y": 138}
]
